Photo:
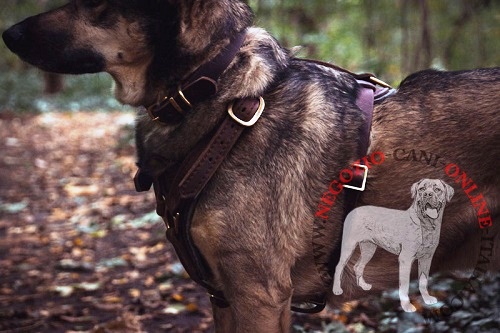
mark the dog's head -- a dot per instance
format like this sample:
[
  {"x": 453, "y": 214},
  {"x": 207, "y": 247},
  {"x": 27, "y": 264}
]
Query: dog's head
[
  {"x": 146, "y": 45},
  {"x": 430, "y": 197}
]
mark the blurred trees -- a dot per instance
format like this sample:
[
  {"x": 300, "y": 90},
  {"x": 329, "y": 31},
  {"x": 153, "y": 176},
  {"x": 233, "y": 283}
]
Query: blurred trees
[{"x": 390, "y": 38}]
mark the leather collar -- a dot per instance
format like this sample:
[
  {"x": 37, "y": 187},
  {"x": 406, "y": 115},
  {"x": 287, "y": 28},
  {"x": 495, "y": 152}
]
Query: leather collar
[{"x": 198, "y": 87}]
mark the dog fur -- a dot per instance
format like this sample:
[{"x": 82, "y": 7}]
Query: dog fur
[{"x": 254, "y": 223}]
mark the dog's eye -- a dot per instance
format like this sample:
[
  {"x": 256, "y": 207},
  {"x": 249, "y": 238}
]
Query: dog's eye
[
  {"x": 422, "y": 189},
  {"x": 438, "y": 190}
]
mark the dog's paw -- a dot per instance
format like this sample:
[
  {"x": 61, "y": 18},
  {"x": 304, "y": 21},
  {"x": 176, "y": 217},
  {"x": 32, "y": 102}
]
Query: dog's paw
[
  {"x": 365, "y": 286},
  {"x": 337, "y": 290},
  {"x": 430, "y": 300},
  {"x": 408, "y": 307}
]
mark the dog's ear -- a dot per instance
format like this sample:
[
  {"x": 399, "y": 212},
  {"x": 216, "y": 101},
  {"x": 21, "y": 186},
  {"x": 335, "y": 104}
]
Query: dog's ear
[
  {"x": 414, "y": 189},
  {"x": 449, "y": 191}
]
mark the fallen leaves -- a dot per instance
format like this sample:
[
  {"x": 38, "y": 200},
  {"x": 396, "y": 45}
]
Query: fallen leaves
[
  {"x": 79, "y": 247},
  {"x": 66, "y": 291},
  {"x": 80, "y": 251},
  {"x": 81, "y": 190},
  {"x": 14, "y": 208}
]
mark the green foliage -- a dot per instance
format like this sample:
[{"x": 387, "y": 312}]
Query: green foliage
[
  {"x": 22, "y": 91},
  {"x": 383, "y": 36}
]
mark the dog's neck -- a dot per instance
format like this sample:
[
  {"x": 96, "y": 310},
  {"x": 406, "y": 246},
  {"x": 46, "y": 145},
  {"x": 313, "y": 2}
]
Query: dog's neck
[
  {"x": 198, "y": 87},
  {"x": 253, "y": 72}
]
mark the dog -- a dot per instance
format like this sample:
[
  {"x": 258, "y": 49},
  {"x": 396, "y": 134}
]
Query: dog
[
  {"x": 411, "y": 234},
  {"x": 255, "y": 221}
]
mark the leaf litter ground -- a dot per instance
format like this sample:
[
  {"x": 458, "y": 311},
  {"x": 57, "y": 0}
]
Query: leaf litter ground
[{"x": 81, "y": 251}]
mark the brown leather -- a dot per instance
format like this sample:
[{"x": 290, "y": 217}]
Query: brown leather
[
  {"x": 176, "y": 202},
  {"x": 199, "y": 167},
  {"x": 199, "y": 86},
  {"x": 218, "y": 148}
]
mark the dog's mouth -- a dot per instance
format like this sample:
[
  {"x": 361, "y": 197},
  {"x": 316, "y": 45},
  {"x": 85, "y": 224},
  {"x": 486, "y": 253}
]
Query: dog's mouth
[{"x": 430, "y": 211}]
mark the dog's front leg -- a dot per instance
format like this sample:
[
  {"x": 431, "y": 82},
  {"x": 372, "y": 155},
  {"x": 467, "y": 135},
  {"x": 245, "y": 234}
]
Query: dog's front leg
[
  {"x": 424, "y": 266},
  {"x": 405, "y": 261},
  {"x": 259, "y": 312},
  {"x": 254, "y": 276},
  {"x": 259, "y": 301},
  {"x": 223, "y": 319}
]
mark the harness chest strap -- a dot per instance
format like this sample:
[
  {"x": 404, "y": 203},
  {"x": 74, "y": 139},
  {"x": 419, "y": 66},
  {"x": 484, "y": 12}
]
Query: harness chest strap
[{"x": 179, "y": 200}]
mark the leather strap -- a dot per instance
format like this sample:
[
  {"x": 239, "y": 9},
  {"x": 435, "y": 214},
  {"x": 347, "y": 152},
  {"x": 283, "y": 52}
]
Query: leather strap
[
  {"x": 218, "y": 148},
  {"x": 196, "y": 172},
  {"x": 199, "y": 86},
  {"x": 176, "y": 200}
]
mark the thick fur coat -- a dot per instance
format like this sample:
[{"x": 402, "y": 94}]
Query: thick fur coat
[{"x": 255, "y": 223}]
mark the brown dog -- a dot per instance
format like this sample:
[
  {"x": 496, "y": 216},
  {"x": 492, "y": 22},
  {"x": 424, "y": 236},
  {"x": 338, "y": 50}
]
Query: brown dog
[{"x": 255, "y": 222}]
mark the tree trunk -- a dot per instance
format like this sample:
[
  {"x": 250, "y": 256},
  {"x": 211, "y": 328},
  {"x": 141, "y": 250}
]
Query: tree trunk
[
  {"x": 369, "y": 30},
  {"x": 53, "y": 83},
  {"x": 405, "y": 38},
  {"x": 425, "y": 50}
]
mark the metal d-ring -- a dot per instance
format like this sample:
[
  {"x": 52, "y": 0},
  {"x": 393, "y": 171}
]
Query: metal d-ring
[{"x": 251, "y": 122}]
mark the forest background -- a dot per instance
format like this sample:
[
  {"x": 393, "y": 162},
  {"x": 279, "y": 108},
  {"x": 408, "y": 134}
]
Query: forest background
[{"x": 390, "y": 38}]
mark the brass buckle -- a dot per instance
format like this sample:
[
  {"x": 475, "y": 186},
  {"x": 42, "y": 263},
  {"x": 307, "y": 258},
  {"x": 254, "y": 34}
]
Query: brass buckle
[
  {"x": 169, "y": 100},
  {"x": 154, "y": 106},
  {"x": 380, "y": 82},
  {"x": 251, "y": 122},
  {"x": 365, "y": 176},
  {"x": 184, "y": 97}
]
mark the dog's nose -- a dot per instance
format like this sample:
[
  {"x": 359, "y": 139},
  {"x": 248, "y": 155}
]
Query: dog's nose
[
  {"x": 13, "y": 37},
  {"x": 429, "y": 194}
]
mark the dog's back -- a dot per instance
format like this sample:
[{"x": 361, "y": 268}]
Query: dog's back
[{"x": 452, "y": 116}]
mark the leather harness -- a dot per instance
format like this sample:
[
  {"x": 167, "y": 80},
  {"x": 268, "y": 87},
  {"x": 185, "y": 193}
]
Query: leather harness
[{"x": 176, "y": 197}]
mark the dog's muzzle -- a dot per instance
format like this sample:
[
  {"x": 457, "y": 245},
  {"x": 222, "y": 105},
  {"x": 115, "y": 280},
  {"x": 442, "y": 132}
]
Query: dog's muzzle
[
  {"x": 430, "y": 207},
  {"x": 13, "y": 37},
  {"x": 51, "y": 49}
]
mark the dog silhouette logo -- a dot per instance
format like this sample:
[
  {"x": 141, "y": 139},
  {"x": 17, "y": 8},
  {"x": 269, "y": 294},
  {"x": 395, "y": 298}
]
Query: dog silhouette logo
[{"x": 412, "y": 234}]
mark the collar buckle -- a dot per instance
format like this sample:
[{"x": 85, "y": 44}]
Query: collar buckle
[{"x": 156, "y": 108}]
